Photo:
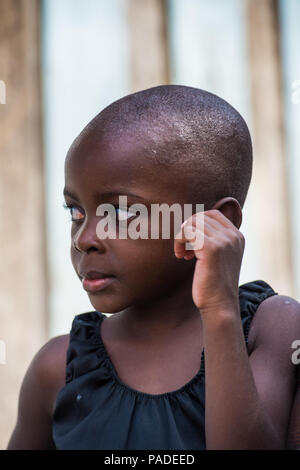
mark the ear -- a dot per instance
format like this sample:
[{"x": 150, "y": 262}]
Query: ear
[{"x": 231, "y": 208}]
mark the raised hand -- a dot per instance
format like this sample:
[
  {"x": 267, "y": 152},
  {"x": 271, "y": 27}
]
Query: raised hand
[{"x": 218, "y": 247}]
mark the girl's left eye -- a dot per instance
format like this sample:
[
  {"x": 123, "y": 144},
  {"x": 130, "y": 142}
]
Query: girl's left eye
[
  {"x": 76, "y": 214},
  {"x": 123, "y": 214}
]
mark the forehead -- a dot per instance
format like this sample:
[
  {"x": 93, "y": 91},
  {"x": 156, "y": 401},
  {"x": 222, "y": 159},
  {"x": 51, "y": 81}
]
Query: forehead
[{"x": 124, "y": 162}]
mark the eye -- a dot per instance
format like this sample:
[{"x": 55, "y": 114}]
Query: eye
[
  {"x": 76, "y": 213},
  {"x": 123, "y": 214}
]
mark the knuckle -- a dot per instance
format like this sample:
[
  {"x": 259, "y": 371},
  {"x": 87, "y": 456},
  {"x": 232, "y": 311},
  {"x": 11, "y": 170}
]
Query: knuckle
[
  {"x": 217, "y": 245},
  {"x": 212, "y": 211}
]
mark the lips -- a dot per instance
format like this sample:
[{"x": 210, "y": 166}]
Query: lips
[
  {"x": 94, "y": 275},
  {"x": 94, "y": 281}
]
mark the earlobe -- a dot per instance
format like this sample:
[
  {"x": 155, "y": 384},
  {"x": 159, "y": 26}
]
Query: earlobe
[{"x": 231, "y": 208}]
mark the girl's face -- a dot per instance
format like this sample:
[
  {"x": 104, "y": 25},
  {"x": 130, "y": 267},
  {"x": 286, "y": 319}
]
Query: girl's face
[{"x": 99, "y": 171}]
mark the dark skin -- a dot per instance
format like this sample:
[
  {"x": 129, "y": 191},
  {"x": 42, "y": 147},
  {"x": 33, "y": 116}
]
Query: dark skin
[{"x": 156, "y": 321}]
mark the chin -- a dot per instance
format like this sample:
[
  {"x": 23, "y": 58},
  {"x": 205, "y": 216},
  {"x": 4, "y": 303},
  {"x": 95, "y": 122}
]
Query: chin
[{"x": 106, "y": 306}]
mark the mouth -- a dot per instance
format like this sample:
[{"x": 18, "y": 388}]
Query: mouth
[{"x": 94, "y": 281}]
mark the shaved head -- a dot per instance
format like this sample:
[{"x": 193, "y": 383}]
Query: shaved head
[{"x": 185, "y": 128}]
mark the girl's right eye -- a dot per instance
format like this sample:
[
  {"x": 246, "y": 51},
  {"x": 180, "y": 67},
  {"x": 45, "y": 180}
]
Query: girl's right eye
[{"x": 75, "y": 212}]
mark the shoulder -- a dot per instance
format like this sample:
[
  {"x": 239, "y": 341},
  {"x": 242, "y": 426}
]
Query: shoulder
[
  {"x": 274, "y": 332},
  {"x": 43, "y": 379},
  {"x": 54, "y": 349},
  {"x": 276, "y": 324},
  {"x": 49, "y": 365},
  {"x": 46, "y": 372}
]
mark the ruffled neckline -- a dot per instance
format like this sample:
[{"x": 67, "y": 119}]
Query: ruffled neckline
[
  {"x": 86, "y": 328},
  {"x": 123, "y": 385}
]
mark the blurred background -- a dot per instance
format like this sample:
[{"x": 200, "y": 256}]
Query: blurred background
[{"x": 61, "y": 62}]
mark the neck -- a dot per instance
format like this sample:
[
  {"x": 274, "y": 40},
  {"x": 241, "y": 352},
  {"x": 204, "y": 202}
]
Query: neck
[{"x": 162, "y": 316}]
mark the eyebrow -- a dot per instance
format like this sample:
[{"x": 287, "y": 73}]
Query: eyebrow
[{"x": 97, "y": 194}]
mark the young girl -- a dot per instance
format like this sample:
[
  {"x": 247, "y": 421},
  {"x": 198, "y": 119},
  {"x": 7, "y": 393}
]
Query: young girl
[{"x": 188, "y": 359}]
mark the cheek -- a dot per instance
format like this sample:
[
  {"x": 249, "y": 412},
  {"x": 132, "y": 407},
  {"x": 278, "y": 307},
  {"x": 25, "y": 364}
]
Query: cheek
[
  {"x": 150, "y": 260},
  {"x": 74, "y": 257}
]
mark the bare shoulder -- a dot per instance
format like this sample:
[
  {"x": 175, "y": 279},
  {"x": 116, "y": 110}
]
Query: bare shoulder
[
  {"x": 274, "y": 334},
  {"x": 44, "y": 378},
  {"x": 277, "y": 322},
  {"x": 51, "y": 365},
  {"x": 52, "y": 356}
]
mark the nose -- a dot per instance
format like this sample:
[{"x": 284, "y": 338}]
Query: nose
[{"x": 86, "y": 238}]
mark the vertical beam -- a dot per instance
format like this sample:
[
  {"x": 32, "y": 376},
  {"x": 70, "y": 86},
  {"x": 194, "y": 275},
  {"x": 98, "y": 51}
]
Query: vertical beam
[
  {"x": 270, "y": 164},
  {"x": 148, "y": 43},
  {"x": 23, "y": 268}
]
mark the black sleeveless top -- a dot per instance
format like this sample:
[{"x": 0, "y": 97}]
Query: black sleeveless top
[{"x": 96, "y": 410}]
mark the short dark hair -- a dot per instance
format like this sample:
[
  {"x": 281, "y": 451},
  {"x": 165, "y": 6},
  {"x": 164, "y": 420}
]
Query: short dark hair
[{"x": 189, "y": 127}]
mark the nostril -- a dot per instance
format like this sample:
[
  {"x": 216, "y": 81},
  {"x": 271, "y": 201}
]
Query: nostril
[
  {"x": 92, "y": 248},
  {"x": 75, "y": 246}
]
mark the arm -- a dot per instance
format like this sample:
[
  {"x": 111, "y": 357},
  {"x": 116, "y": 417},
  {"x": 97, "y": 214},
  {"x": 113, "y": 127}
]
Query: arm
[
  {"x": 249, "y": 399},
  {"x": 43, "y": 379},
  {"x": 293, "y": 440}
]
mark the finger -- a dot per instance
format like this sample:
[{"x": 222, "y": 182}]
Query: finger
[
  {"x": 218, "y": 216},
  {"x": 189, "y": 256},
  {"x": 202, "y": 221},
  {"x": 180, "y": 241},
  {"x": 213, "y": 224},
  {"x": 189, "y": 239},
  {"x": 209, "y": 226}
]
